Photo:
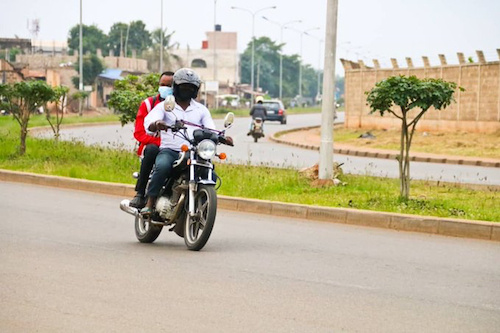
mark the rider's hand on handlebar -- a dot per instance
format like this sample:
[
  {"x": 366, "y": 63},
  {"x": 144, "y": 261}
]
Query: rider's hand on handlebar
[
  {"x": 227, "y": 140},
  {"x": 161, "y": 125}
]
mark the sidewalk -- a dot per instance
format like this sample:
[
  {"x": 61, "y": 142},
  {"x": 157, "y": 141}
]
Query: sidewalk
[{"x": 309, "y": 138}]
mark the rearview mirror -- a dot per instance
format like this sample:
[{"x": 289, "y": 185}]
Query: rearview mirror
[
  {"x": 229, "y": 119},
  {"x": 169, "y": 103}
]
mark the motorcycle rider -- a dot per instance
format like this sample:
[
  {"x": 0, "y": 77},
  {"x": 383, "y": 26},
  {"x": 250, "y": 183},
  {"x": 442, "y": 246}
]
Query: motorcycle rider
[
  {"x": 186, "y": 84},
  {"x": 258, "y": 111},
  {"x": 148, "y": 144}
]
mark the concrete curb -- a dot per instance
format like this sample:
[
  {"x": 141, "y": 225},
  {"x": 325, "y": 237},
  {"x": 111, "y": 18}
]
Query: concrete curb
[
  {"x": 387, "y": 155},
  {"x": 401, "y": 222}
]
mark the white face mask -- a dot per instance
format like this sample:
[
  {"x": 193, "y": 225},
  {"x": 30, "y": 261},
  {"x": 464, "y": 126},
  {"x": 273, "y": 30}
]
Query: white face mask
[{"x": 165, "y": 91}]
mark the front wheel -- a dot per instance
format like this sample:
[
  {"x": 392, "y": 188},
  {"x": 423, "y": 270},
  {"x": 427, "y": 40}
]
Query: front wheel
[
  {"x": 145, "y": 231},
  {"x": 197, "y": 228},
  {"x": 255, "y": 138}
]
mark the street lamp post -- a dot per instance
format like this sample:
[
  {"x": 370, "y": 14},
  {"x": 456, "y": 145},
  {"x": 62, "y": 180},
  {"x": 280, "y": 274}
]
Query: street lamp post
[
  {"x": 253, "y": 42},
  {"x": 161, "y": 37},
  {"x": 281, "y": 52},
  {"x": 80, "y": 84},
  {"x": 302, "y": 32},
  {"x": 320, "y": 41},
  {"x": 215, "y": 52}
]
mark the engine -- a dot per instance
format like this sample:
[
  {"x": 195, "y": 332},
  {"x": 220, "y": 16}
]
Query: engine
[{"x": 165, "y": 208}]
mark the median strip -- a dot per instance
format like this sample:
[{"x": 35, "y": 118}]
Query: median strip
[{"x": 400, "y": 222}]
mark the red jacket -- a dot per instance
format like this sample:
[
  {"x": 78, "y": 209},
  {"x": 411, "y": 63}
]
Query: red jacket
[{"x": 139, "y": 132}]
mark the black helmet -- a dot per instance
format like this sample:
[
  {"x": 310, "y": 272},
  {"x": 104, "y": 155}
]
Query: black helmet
[{"x": 186, "y": 76}]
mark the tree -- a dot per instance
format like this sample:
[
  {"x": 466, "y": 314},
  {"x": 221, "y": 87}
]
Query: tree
[
  {"x": 60, "y": 100},
  {"x": 128, "y": 37},
  {"x": 80, "y": 96},
  {"x": 139, "y": 38},
  {"x": 93, "y": 39},
  {"x": 22, "y": 99},
  {"x": 409, "y": 93},
  {"x": 92, "y": 67},
  {"x": 153, "y": 54},
  {"x": 266, "y": 65},
  {"x": 129, "y": 92},
  {"x": 116, "y": 37}
]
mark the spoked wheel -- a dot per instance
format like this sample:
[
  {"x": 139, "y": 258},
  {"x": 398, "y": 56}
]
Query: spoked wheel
[
  {"x": 145, "y": 231},
  {"x": 197, "y": 228}
]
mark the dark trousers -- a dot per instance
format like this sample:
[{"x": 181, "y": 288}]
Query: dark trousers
[
  {"x": 163, "y": 169},
  {"x": 147, "y": 163}
]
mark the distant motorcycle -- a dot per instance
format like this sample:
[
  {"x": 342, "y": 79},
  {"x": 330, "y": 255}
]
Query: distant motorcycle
[
  {"x": 257, "y": 130},
  {"x": 187, "y": 202}
]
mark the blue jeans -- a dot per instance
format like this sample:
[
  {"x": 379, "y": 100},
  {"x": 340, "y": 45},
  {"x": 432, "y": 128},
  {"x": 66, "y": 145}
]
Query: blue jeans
[{"x": 162, "y": 170}]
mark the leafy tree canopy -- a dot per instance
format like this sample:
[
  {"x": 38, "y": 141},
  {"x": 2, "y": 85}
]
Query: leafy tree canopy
[
  {"x": 139, "y": 38},
  {"x": 93, "y": 39},
  {"x": 92, "y": 67},
  {"x": 409, "y": 93},
  {"x": 129, "y": 93}
]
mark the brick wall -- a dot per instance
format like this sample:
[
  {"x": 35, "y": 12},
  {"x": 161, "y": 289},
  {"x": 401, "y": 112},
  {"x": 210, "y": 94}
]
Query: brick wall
[{"x": 477, "y": 109}]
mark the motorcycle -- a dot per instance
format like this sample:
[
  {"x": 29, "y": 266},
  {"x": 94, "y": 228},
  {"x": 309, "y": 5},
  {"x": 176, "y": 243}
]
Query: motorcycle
[
  {"x": 257, "y": 130},
  {"x": 188, "y": 200}
]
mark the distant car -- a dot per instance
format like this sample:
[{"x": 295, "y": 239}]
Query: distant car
[{"x": 275, "y": 110}]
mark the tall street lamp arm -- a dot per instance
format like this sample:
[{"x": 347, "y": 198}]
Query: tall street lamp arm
[
  {"x": 253, "y": 42},
  {"x": 282, "y": 26}
]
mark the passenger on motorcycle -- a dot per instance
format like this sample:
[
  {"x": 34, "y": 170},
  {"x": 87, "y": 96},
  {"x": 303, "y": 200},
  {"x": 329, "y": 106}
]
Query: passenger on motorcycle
[
  {"x": 186, "y": 84},
  {"x": 258, "y": 111},
  {"x": 148, "y": 145}
]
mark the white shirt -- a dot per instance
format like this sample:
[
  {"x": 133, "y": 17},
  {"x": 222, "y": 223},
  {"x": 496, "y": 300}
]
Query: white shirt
[{"x": 195, "y": 113}]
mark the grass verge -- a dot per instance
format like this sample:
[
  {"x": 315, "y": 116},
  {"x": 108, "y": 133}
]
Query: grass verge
[{"x": 75, "y": 160}]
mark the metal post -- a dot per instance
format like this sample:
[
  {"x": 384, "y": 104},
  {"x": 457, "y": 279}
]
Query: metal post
[
  {"x": 161, "y": 38},
  {"x": 215, "y": 52},
  {"x": 302, "y": 32},
  {"x": 80, "y": 84},
  {"x": 253, "y": 44},
  {"x": 253, "y": 55},
  {"x": 328, "y": 106},
  {"x": 282, "y": 26},
  {"x": 281, "y": 65},
  {"x": 300, "y": 69}
]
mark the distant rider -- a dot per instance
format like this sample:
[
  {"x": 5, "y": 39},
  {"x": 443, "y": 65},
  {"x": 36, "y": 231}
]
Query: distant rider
[{"x": 258, "y": 111}]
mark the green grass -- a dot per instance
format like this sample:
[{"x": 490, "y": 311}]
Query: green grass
[{"x": 73, "y": 159}]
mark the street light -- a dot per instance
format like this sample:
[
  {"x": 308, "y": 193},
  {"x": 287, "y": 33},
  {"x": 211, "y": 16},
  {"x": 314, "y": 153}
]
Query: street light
[
  {"x": 302, "y": 32},
  {"x": 80, "y": 84},
  {"x": 281, "y": 42},
  {"x": 253, "y": 40},
  {"x": 320, "y": 41},
  {"x": 161, "y": 38}
]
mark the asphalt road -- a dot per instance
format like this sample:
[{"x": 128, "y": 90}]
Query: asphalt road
[
  {"x": 70, "y": 263},
  {"x": 266, "y": 152}
]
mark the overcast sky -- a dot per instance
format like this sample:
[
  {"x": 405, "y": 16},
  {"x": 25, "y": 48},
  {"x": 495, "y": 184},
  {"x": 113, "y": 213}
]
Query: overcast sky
[{"x": 367, "y": 29}]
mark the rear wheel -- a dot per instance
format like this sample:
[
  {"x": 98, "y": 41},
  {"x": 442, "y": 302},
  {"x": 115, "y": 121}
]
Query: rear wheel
[
  {"x": 145, "y": 231},
  {"x": 283, "y": 121},
  {"x": 197, "y": 228},
  {"x": 255, "y": 138}
]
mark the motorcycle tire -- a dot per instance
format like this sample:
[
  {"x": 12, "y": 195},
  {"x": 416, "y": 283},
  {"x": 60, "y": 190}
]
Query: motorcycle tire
[
  {"x": 255, "y": 138},
  {"x": 197, "y": 229},
  {"x": 145, "y": 231}
]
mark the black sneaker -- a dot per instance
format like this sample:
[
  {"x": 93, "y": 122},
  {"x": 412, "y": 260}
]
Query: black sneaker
[{"x": 138, "y": 201}]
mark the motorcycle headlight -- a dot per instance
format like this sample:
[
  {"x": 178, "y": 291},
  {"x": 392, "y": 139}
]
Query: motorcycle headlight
[{"x": 206, "y": 149}]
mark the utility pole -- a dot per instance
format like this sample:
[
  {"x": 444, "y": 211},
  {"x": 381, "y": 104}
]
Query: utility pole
[
  {"x": 328, "y": 106},
  {"x": 161, "y": 38},
  {"x": 215, "y": 54},
  {"x": 80, "y": 84}
]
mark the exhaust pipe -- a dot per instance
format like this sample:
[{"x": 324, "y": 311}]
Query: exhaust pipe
[{"x": 124, "y": 205}]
